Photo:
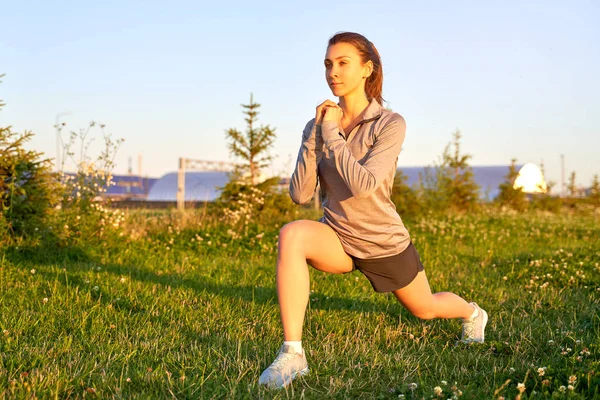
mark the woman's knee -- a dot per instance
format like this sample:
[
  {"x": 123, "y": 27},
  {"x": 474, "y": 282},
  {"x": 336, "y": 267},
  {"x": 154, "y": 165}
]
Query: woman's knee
[{"x": 291, "y": 236}]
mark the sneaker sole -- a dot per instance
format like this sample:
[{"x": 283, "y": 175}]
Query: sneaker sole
[
  {"x": 485, "y": 320},
  {"x": 302, "y": 372}
]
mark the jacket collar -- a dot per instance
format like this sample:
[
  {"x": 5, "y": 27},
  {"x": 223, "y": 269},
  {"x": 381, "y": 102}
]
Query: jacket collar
[{"x": 373, "y": 111}]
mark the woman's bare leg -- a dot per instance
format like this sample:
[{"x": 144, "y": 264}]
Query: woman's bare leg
[
  {"x": 301, "y": 242},
  {"x": 418, "y": 299}
]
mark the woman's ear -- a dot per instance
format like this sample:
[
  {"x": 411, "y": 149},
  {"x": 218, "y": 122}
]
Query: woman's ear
[{"x": 367, "y": 69}]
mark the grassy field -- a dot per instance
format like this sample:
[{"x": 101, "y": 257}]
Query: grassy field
[{"x": 186, "y": 308}]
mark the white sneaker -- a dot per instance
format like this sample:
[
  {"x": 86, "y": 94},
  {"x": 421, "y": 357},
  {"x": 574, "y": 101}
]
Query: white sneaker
[
  {"x": 286, "y": 367},
  {"x": 473, "y": 329}
]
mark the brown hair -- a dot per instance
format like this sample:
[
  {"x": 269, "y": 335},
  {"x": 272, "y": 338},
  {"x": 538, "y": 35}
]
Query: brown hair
[{"x": 368, "y": 52}]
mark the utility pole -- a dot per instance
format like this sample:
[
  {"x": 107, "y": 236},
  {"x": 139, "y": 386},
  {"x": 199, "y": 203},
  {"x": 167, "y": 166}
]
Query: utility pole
[{"x": 181, "y": 184}]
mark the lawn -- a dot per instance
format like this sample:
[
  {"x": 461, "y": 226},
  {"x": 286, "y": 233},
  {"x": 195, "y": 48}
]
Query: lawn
[{"x": 186, "y": 307}]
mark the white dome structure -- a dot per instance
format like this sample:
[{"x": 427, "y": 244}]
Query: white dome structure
[
  {"x": 199, "y": 186},
  {"x": 531, "y": 180}
]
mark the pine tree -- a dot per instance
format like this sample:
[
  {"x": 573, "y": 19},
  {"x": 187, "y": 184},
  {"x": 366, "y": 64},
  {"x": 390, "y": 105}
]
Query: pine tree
[
  {"x": 509, "y": 195},
  {"x": 595, "y": 190},
  {"x": 405, "y": 198},
  {"x": 455, "y": 179},
  {"x": 572, "y": 186},
  {"x": 252, "y": 146},
  {"x": 28, "y": 187}
]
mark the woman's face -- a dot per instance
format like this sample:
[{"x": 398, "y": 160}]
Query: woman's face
[{"x": 344, "y": 69}]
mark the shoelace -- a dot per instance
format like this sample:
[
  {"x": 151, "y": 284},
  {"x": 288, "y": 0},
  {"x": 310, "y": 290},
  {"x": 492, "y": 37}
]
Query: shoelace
[
  {"x": 468, "y": 328},
  {"x": 281, "y": 360}
]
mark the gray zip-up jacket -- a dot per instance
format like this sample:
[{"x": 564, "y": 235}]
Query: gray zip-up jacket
[{"x": 356, "y": 174}]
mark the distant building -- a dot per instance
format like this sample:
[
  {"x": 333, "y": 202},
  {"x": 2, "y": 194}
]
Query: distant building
[
  {"x": 531, "y": 180},
  {"x": 488, "y": 178},
  {"x": 202, "y": 186},
  {"x": 129, "y": 187},
  {"x": 199, "y": 186}
]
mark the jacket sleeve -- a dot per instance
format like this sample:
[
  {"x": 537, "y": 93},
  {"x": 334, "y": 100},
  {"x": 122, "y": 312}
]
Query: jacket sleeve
[
  {"x": 364, "y": 179},
  {"x": 304, "y": 179}
]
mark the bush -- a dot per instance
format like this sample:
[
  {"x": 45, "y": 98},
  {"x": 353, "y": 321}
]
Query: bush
[
  {"x": 241, "y": 202},
  {"x": 546, "y": 202},
  {"x": 405, "y": 198},
  {"x": 594, "y": 193},
  {"x": 29, "y": 190},
  {"x": 84, "y": 214},
  {"x": 509, "y": 196},
  {"x": 450, "y": 185}
]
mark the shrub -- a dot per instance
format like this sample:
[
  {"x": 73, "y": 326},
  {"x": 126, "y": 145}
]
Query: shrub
[
  {"x": 253, "y": 145},
  {"x": 29, "y": 189},
  {"x": 84, "y": 214},
  {"x": 241, "y": 202},
  {"x": 508, "y": 195},
  {"x": 405, "y": 198},
  {"x": 450, "y": 185},
  {"x": 594, "y": 193}
]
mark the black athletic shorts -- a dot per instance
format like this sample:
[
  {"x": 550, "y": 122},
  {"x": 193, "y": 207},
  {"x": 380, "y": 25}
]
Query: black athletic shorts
[{"x": 390, "y": 273}]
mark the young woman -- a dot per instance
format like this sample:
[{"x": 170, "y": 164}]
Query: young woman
[{"x": 351, "y": 148}]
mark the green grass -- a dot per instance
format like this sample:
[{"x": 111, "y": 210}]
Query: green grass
[{"x": 191, "y": 312}]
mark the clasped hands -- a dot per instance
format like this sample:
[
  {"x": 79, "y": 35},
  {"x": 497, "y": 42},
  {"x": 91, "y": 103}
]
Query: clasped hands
[{"x": 329, "y": 111}]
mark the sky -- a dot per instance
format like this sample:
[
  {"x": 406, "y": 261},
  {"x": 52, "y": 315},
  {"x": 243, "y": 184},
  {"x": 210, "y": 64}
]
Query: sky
[{"x": 518, "y": 79}]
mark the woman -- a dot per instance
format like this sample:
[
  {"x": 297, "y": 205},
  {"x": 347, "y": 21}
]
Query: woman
[{"x": 352, "y": 148}]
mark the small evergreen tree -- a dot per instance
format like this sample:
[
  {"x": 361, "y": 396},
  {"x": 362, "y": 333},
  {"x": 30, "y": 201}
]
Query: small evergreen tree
[
  {"x": 464, "y": 191},
  {"x": 29, "y": 189},
  {"x": 252, "y": 146},
  {"x": 428, "y": 195},
  {"x": 545, "y": 200},
  {"x": 572, "y": 186},
  {"x": 455, "y": 180},
  {"x": 244, "y": 198},
  {"x": 509, "y": 195},
  {"x": 405, "y": 198},
  {"x": 595, "y": 190},
  {"x": 452, "y": 185}
]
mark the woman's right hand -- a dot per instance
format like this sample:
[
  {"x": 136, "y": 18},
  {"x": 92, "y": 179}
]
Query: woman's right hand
[{"x": 321, "y": 110}]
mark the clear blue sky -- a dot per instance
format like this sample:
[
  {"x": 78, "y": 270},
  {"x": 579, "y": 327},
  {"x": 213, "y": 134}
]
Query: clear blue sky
[{"x": 519, "y": 79}]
